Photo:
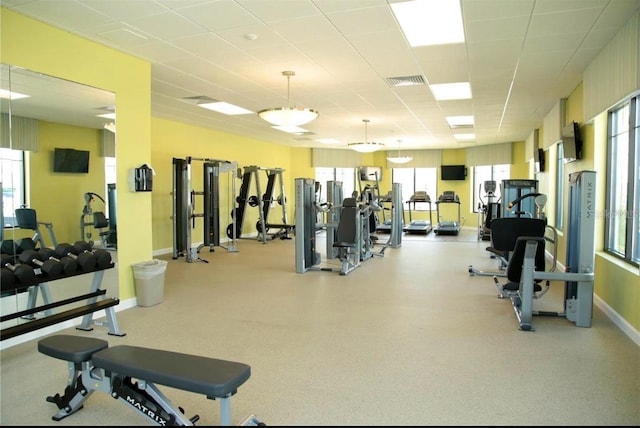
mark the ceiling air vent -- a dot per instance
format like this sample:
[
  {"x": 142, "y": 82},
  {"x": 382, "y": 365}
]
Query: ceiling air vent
[{"x": 405, "y": 81}]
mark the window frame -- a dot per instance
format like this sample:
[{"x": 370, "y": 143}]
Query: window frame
[{"x": 622, "y": 143}]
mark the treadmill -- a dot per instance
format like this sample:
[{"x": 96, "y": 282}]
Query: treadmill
[
  {"x": 419, "y": 226},
  {"x": 448, "y": 227},
  {"x": 385, "y": 226}
]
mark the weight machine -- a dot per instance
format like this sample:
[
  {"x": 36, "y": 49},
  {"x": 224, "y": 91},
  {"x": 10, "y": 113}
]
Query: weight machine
[
  {"x": 97, "y": 219},
  {"x": 306, "y": 225},
  {"x": 264, "y": 204},
  {"x": 184, "y": 201},
  {"x": 520, "y": 193},
  {"x": 579, "y": 275}
]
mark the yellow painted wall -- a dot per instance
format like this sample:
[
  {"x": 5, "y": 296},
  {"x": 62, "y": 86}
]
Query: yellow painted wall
[
  {"x": 144, "y": 218},
  {"x": 177, "y": 140},
  {"x": 59, "y": 197},
  {"x": 39, "y": 47}
]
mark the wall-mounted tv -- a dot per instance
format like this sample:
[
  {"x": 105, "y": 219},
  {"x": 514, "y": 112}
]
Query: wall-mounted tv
[
  {"x": 571, "y": 142},
  {"x": 453, "y": 172},
  {"x": 539, "y": 160},
  {"x": 70, "y": 160}
]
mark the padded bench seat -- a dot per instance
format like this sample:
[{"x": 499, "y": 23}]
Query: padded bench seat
[{"x": 210, "y": 376}]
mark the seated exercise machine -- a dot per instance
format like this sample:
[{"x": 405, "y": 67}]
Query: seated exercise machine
[
  {"x": 525, "y": 269},
  {"x": 130, "y": 374},
  {"x": 528, "y": 203},
  {"x": 26, "y": 218},
  {"x": 448, "y": 227},
  {"x": 487, "y": 211},
  {"x": 419, "y": 226}
]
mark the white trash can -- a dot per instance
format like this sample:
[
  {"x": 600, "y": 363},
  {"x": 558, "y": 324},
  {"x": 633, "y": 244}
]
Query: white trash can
[{"x": 149, "y": 281}]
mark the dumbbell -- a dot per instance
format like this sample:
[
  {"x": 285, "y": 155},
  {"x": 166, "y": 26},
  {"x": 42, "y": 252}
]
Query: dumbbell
[
  {"x": 25, "y": 244},
  {"x": 103, "y": 257},
  {"x": 49, "y": 267},
  {"x": 69, "y": 264},
  {"x": 8, "y": 246},
  {"x": 25, "y": 273},
  {"x": 7, "y": 279},
  {"x": 85, "y": 261}
]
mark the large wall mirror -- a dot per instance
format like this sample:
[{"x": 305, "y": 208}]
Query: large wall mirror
[{"x": 58, "y": 161}]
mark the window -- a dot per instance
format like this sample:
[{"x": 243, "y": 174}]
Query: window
[
  {"x": 622, "y": 225},
  {"x": 12, "y": 167},
  {"x": 414, "y": 179},
  {"x": 484, "y": 173},
  {"x": 110, "y": 178},
  {"x": 560, "y": 187},
  {"x": 346, "y": 175}
]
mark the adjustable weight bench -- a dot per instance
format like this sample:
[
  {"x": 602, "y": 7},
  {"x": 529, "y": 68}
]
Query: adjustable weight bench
[{"x": 94, "y": 366}]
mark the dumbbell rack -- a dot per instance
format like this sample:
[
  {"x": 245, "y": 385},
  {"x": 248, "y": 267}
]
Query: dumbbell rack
[{"x": 96, "y": 300}]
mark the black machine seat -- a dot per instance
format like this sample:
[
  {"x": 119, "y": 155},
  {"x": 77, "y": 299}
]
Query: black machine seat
[
  {"x": 212, "y": 377},
  {"x": 347, "y": 227},
  {"x": 26, "y": 218},
  {"x": 506, "y": 230},
  {"x": 509, "y": 236},
  {"x": 514, "y": 267},
  {"x": 100, "y": 220}
]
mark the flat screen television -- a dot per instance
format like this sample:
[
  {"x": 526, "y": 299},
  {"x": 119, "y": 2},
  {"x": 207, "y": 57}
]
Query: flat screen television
[
  {"x": 70, "y": 160},
  {"x": 571, "y": 142},
  {"x": 539, "y": 159},
  {"x": 453, "y": 172}
]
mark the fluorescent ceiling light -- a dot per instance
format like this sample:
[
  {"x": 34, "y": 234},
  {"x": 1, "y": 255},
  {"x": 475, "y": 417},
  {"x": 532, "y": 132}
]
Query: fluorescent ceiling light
[
  {"x": 430, "y": 22},
  {"x": 290, "y": 129},
  {"x": 459, "y": 120},
  {"x": 8, "y": 95},
  {"x": 451, "y": 91},
  {"x": 465, "y": 137},
  {"x": 224, "y": 108},
  {"x": 111, "y": 127},
  {"x": 328, "y": 141},
  {"x": 107, "y": 115}
]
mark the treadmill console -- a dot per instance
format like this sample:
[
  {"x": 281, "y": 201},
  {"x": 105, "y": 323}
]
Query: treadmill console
[{"x": 449, "y": 196}]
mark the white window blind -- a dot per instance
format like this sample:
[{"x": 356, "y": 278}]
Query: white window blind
[
  {"x": 429, "y": 158},
  {"x": 531, "y": 145},
  {"x": 24, "y": 133},
  {"x": 333, "y": 158},
  {"x": 613, "y": 74},
  {"x": 490, "y": 154},
  {"x": 108, "y": 146},
  {"x": 553, "y": 123}
]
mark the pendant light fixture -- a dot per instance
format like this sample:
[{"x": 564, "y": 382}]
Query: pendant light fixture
[
  {"x": 365, "y": 146},
  {"x": 398, "y": 158},
  {"x": 289, "y": 116}
]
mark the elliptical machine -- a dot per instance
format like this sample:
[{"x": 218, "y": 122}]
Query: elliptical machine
[{"x": 487, "y": 211}]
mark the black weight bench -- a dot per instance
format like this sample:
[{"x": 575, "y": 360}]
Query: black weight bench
[{"x": 94, "y": 366}]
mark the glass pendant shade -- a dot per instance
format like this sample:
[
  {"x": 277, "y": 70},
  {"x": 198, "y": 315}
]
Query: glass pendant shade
[
  {"x": 399, "y": 159},
  {"x": 288, "y": 116},
  {"x": 365, "y": 146}
]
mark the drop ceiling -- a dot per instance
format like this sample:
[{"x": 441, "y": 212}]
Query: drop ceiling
[{"x": 351, "y": 62}]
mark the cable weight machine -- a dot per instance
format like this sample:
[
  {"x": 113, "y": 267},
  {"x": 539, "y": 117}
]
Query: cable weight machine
[{"x": 184, "y": 202}]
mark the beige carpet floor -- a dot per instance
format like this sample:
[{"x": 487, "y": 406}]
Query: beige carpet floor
[{"x": 409, "y": 338}]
